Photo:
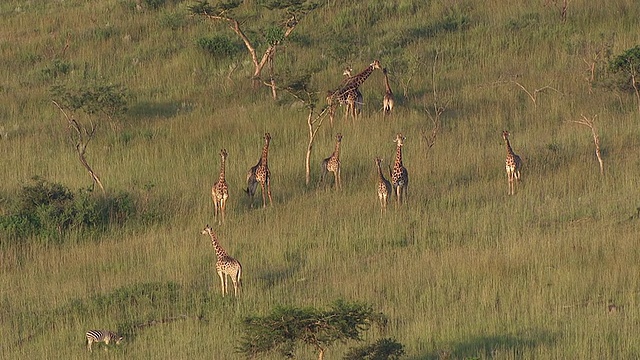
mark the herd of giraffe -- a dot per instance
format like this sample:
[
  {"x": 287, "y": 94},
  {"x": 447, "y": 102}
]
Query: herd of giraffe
[{"x": 347, "y": 94}]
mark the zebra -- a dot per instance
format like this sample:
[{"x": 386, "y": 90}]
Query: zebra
[{"x": 102, "y": 336}]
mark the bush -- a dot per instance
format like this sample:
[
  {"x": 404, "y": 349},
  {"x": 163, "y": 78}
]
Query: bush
[
  {"x": 627, "y": 65},
  {"x": 218, "y": 46},
  {"x": 286, "y": 327},
  {"x": 383, "y": 349},
  {"x": 51, "y": 209}
]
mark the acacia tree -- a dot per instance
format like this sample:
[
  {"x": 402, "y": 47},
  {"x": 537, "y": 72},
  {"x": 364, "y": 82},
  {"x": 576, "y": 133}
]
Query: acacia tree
[
  {"x": 95, "y": 101},
  {"x": 286, "y": 327},
  {"x": 300, "y": 89},
  {"x": 628, "y": 63},
  {"x": 294, "y": 11}
]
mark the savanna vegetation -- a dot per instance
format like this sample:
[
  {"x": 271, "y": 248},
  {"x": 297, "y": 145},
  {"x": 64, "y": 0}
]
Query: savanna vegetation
[{"x": 113, "y": 114}]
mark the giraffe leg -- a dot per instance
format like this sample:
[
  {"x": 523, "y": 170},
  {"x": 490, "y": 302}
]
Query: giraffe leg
[
  {"x": 332, "y": 112},
  {"x": 223, "y": 282},
  {"x": 235, "y": 286},
  {"x": 215, "y": 206},
  {"x": 269, "y": 191},
  {"x": 223, "y": 205},
  {"x": 264, "y": 200}
]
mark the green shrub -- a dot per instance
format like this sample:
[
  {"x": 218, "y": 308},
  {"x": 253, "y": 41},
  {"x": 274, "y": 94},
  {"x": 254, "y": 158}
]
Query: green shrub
[
  {"x": 51, "y": 209},
  {"x": 218, "y": 46},
  {"x": 383, "y": 349},
  {"x": 627, "y": 67},
  {"x": 55, "y": 69},
  {"x": 173, "y": 20},
  {"x": 155, "y": 4}
]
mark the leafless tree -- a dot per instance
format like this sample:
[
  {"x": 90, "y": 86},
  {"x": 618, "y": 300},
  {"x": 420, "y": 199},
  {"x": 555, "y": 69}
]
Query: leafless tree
[
  {"x": 299, "y": 89},
  {"x": 533, "y": 95},
  {"x": 438, "y": 109},
  {"x": 80, "y": 136},
  {"x": 596, "y": 139}
]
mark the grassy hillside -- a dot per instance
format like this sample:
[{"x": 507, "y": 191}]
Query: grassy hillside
[{"x": 463, "y": 271}]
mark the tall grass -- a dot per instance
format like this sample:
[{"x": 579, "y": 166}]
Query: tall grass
[{"x": 462, "y": 271}]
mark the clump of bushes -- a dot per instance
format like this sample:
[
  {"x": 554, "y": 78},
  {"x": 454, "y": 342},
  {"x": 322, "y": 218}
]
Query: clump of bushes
[
  {"x": 51, "y": 210},
  {"x": 218, "y": 46}
]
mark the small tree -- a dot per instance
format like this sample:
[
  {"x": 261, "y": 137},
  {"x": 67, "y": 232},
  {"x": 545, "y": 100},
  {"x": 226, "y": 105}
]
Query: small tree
[
  {"x": 596, "y": 139},
  {"x": 274, "y": 36},
  {"x": 300, "y": 89},
  {"x": 628, "y": 63},
  {"x": 285, "y": 327},
  {"x": 95, "y": 101}
]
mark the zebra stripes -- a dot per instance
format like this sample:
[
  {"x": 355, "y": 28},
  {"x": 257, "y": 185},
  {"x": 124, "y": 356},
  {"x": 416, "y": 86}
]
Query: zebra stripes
[{"x": 102, "y": 336}]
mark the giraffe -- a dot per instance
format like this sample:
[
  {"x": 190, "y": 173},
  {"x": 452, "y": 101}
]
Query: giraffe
[
  {"x": 513, "y": 164},
  {"x": 384, "y": 187},
  {"x": 387, "y": 102},
  {"x": 346, "y": 94},
  {"x": 349, "y": 98},
  {"x": 220, "y": 190},
  {"x": 400, "y": 176},
  {"x": 356, "y": 107},
  {"x": 332, "y": 163},
  {"x": 225, "y": 265},
  {"x": 260, "y": 174}
]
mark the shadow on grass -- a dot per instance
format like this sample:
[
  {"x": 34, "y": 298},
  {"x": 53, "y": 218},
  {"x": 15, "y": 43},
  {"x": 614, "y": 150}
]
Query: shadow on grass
[
  {"x": 277, "y": 275},
  {"x": 489, "y": 347}
]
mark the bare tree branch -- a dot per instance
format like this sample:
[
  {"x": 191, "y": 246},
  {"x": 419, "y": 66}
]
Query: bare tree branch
[
  {"x": 596, "y": 139},
  {"x": 534, "y": 96},
  {"x": 80, "y": 141},
  {"x": 438, "y": 109}
]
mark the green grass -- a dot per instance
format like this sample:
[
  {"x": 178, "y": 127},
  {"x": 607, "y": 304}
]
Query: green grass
[{"x": 463, "y": 271}]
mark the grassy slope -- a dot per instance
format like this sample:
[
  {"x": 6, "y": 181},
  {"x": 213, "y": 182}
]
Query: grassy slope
[{"x": 462, "y": 270}]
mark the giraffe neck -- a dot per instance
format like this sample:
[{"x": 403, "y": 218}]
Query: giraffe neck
[
  {"x": 509, "y": 150},
  {"x": 222, "y": 166},
  {"x": 386, "y": 81},
  {"x": 380, "y": 174},
  {"x": 220, "y": 253},
  {"x": 357, "y": 80},
  {"x": 398, "y": 157},
  {"x": 265, "y": 154},
  {"x": 336, "y": 152}
]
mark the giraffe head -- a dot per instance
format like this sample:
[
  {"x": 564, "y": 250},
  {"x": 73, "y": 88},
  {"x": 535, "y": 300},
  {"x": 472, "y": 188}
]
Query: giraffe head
[
  {"x": 375, "y": 64},
  {"x": 338, "y": 137},
  {"x": 399, "y": 140},
  {"x": 347, "y": 71},
  {"x": 118, "y": 339},
  {"x": 505, "y": 135},
  {"x": 378, "y": 161},
  {"x": 223, "y": 154},
  {"x": 267, "y": 138},
  {"x": 207, "y": 230}
]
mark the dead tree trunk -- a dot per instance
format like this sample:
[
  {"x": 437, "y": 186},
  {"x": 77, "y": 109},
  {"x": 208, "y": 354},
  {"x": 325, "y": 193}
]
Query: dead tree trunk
[
  {"x": 80, "y": 137},
  {"x": 596, "y": 139},
  {"x": 317, "y": 122},
  {"x": 438, "y": 109}
]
